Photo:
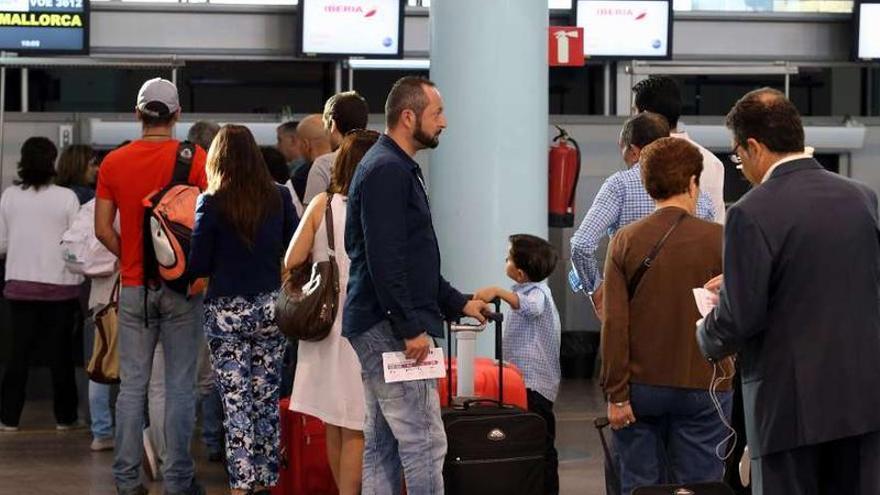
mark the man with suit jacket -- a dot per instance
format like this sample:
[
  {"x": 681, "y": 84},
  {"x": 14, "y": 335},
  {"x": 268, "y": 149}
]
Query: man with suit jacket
[{"x": 799, "y": 304}]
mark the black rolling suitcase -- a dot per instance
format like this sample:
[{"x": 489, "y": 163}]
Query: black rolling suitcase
[{"x": 493, "y": 448}]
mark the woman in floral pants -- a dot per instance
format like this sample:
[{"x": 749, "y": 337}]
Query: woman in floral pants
[
  {"x": 243, "y": 224},
  {"x": 246, "y": 354}
]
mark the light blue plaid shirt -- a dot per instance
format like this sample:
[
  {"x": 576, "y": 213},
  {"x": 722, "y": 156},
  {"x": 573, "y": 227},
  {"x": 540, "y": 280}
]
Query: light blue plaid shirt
[
  {"x": 532, "y": 338},
  {"x": 621, "y": 201}
]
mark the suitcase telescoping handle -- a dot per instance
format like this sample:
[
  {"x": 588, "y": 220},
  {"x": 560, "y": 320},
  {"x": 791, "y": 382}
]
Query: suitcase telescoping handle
[{"x": 456, "y": 327}]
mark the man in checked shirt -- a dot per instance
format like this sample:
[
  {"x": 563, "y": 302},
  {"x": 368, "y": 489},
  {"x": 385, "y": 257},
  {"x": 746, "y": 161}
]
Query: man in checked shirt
[{"x": 622, "y": 200}]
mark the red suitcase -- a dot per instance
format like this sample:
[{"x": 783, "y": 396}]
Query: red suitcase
[
  {"x": 303, "y": 463},
  {"x": 486, "y": 383}
]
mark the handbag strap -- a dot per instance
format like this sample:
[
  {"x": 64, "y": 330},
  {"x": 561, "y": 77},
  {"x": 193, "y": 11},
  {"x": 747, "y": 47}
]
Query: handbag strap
[
  {"x": 649, "y": 259},
  {"x": 114, "y": 296},
  {"x": 331, "y": 240},
  {"x": 183, "y": 162},
  {"x": 331, "y": 234}
]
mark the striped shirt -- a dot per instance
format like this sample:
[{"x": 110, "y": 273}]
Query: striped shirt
[{"x": 621, "y": 201}]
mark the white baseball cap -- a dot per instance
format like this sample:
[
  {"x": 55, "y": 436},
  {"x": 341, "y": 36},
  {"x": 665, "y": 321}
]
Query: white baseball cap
[{"x": 158, "y": 98}]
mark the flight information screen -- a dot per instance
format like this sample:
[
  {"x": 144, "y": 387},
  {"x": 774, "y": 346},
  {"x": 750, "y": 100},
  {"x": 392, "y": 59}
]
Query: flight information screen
[
  {"x": 626, "y": 29},
  {"x": 359, "y": 28},
  {"x": 44, "y": 26},
  {"x": 868, "y": 39}
]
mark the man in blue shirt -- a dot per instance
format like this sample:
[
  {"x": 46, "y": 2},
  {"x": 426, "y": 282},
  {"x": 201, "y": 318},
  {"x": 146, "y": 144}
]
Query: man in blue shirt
[
  {"x": 621, "y": 200},
  {"x": 397, "y": 299}
]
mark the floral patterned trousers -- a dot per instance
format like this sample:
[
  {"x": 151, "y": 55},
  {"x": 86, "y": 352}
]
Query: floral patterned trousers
[{"x": 246, "y": 354}]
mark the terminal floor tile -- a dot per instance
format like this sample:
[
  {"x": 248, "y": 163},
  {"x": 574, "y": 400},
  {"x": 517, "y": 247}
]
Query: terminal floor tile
[{"x": 40, "y": 460}]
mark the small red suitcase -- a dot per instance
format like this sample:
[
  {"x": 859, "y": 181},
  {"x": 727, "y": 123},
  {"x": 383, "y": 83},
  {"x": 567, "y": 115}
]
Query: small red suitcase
[
  {"x": 303, "y": 457},
  {"x": 486, "y": 383}
]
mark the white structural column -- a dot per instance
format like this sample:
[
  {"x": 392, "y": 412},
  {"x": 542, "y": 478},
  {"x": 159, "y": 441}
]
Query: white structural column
[{"x": 488, "y": 177}]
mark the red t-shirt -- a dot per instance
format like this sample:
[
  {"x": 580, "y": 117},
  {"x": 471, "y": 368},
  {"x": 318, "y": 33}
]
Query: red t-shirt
[{"x": 126, "y": 177}]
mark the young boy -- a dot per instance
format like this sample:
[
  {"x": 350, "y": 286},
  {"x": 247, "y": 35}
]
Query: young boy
[{"x": 532, "y": 336}]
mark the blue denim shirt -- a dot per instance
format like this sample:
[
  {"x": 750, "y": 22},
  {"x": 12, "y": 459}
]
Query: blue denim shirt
[{"x": 395, "y": 260}]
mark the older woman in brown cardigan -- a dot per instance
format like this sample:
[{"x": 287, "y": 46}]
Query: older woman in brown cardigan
[{"x": 655, "y": 379}]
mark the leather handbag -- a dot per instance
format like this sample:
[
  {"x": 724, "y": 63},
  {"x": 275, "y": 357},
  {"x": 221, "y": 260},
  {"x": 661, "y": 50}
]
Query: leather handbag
[
  {"x": 306, "y": 306},
  {"x": 103, "y": 367}
]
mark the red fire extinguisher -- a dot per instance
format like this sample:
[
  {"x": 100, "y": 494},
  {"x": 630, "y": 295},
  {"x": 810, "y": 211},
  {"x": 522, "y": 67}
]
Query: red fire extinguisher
[{"x": 564, "y": 169}]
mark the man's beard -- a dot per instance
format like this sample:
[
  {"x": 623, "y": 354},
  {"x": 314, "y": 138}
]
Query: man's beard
[{"x": 424, "y": 139}]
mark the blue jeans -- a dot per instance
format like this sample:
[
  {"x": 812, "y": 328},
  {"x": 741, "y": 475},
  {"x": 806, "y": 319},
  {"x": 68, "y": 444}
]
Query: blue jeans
[
  {"x": 209, "y": 402},
  {"x": 681, "y": 422},
  {"x": 173, "y": 320},
  {"x": 99, "y": 393},
  {"x": 99, "y": 410},
  {"x": 212, "y": 420},
  {"x": 403, "y": 429}
]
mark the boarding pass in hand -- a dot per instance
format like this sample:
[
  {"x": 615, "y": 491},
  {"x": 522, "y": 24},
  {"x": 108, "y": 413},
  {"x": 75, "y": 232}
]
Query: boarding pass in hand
[
  {"x": 398, "y": 368},
  {"x": 706, "y": 301}
]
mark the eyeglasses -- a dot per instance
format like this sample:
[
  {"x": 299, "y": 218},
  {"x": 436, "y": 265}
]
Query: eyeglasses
[{"x": 734, "y": 157}]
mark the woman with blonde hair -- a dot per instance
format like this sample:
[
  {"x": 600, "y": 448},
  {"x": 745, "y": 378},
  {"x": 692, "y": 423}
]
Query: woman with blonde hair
[
  {"x": 78, "y": 171},
  {"x": 327, "y": 383},
  {"x": 243, "y": 223}
]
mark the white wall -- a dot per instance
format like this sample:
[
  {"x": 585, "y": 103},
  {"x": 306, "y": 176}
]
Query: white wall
[
  {"x": 865, "y": 163},
  {"x": 228, "y": 31},
  {"x": 221, "y": 31},
  {"x": 17, "y": 130}
]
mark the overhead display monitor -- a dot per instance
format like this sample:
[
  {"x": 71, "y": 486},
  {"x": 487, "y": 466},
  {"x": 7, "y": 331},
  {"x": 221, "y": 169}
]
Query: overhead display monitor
[
  {"x": 553, "y": 4},
  {"x": 626, "y": 29},
  {"x": 866, "y": 15},
  {"x": 351, "y": 28},
  {"x": 44, "y": 26}
]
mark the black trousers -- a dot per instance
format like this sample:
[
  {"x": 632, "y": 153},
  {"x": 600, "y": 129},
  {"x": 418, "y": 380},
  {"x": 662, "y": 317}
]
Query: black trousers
[
  {"x": 738, "y": 421},
  {"x": 849, "y": 466},
  {"x": 48, "y": 326},
  {"x": 539, "y": 405}
]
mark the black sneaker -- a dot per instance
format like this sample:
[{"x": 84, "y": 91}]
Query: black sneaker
[{"x": 138, "y": 490}]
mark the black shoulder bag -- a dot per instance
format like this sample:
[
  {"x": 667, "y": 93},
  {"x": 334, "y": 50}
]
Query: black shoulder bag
[{"x": 649, "y": 260}]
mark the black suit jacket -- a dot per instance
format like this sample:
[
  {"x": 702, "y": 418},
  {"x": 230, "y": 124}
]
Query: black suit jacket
[{"x": 801, "y": 306}]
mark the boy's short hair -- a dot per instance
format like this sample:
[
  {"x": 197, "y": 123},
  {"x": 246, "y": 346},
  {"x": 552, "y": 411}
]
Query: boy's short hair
[{"x": 533, "y": 255}]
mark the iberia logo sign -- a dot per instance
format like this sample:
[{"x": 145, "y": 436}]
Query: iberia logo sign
[
  {"x": 350, "y": 9},
  {"x": 636, "y": 15}
]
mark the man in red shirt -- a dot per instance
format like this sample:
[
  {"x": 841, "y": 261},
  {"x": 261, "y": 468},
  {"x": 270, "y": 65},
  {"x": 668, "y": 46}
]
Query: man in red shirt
[{"x": 149, "y": 315}]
